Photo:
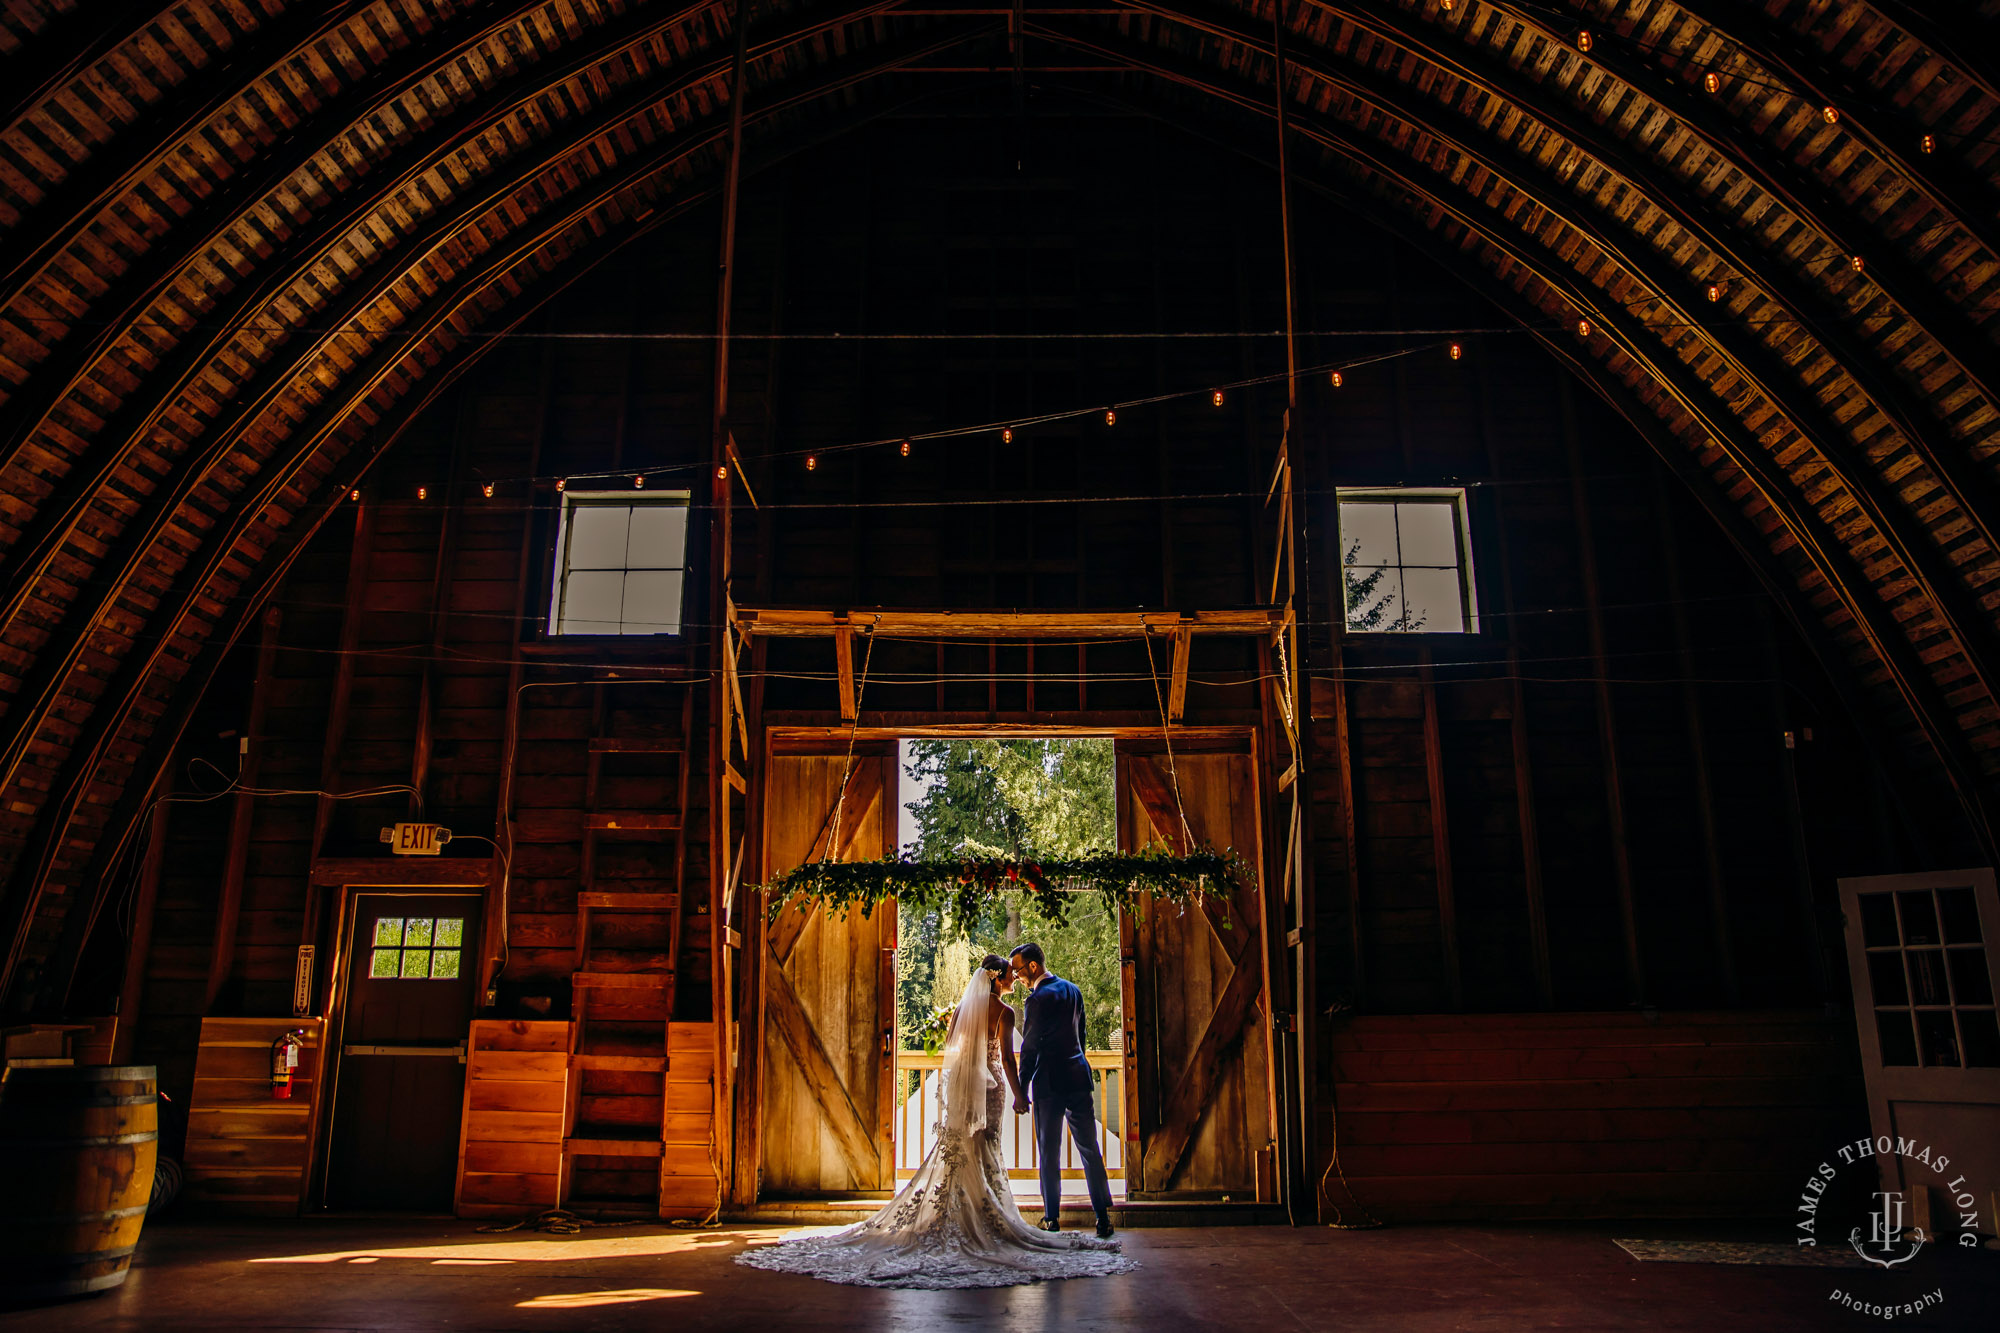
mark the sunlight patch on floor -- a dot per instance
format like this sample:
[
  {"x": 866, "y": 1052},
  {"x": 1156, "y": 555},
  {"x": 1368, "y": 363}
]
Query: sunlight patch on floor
[
  {"x": 526, "y": 1251},
  {"x": 577, "y": 1300}
]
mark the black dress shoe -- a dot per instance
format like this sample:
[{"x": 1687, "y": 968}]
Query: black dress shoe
[
  {"x": 1104, "y": 1228},
  {"x": 1049, "y": 1224}
]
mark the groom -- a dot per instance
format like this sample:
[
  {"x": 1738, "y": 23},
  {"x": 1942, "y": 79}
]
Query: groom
[{"x": 1056, "y": 1079}]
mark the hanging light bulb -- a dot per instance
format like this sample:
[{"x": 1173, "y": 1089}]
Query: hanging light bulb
[
  {"x": 1110, "y": 416},
  {"x": 1583, "y": 328},
  {"x": 1711, "y": 82},
  {"x": 1928, "y": 143},
  {"x": 722, "y": 473},
  {"x": 560, "y": 483},
  {"x": 1830, "y": 114},
  {"x": 1338, "y": 379},
  {"x": 423, "y": 492},
  {"x": 1584, "y": 41},
  {"x": 354, "y": 494},
  {"x": 1216, "y": 398},
  {"x": 639, "y": 482},
  {"x": 1855, "y": 262},
  {"x": 812, "y": 462},
  {"x": 1456, "y": 351},
  {"x": 1448, "y": 5},
  {"x": 487, "y": 489},
  {"x": 1715, "y": 291},
  {"x": 1007, "y": 435},
  {"x": 906, "y": 449}
]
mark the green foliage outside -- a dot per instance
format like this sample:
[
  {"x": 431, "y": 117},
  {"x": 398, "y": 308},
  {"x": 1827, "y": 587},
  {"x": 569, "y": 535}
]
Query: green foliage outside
[
  {"x": 1368, "y": 608},
  {"x": 1019, "y": 799}
]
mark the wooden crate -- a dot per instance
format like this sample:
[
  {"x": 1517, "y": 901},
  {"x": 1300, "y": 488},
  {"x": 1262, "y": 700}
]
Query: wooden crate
[
  {"x": 687, "y": 1163},
  {"x": 248, "y": 1152},
  {"x": 511, "y": 1132}
]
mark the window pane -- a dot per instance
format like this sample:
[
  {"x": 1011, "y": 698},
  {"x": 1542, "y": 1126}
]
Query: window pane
[
  {"x": 1961, "y": 916},
  {"x": 1899, "y": 1044},
  {"x": 1367, "y": 534},
  {"x": 1971, "y": 983},
  {"x": 1982, "y": 1037},
  {"x": 1878, "y": 921},
  {"x": 659, "y": 537},
  {"x": 597, "y": 536},
  {"x": 591, "y": 602},
  {"x": 450, "y": 932},
  {"x": 419, "y": 933},
  {"x": 1431, "y": 600},
  {"x": 383, "y": 963},
  {"x": 416, "y": 962},
  {"x": 1429, "y": 533},
  {"x": 388, "y": 932},
  {"x": 1919, "y": 917},
  {"x": 444, "y": 963},
  {"x": 1374, "y": 598},
  {"x": 1885, "y": 974},
  {"x": 652, "y": 602},
  {"x": 1939, "y": 1039},
  {"x": 1927, "y": 976}
]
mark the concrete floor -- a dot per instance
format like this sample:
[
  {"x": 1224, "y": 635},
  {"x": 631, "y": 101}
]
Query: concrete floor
[{"x": 444, "y": 1274}]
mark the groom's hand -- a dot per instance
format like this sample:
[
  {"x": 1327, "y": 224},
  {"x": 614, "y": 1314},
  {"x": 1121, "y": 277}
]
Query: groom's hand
[{"x": 1020, "y": 1106}]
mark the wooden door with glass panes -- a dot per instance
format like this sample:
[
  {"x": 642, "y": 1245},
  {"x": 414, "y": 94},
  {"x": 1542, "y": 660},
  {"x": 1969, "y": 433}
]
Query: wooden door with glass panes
[
  {"x": 400, "y": 1075},
  {"x": 1921, "y": 956}
]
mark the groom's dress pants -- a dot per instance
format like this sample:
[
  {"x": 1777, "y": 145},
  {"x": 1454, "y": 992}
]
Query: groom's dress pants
[{"x": 1052, "y": 1108}]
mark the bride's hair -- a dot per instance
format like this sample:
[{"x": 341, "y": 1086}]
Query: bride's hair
[{"x": 993, "y": 962}]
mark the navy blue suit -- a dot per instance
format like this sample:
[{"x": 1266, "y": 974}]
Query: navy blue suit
[{"x": 1058, "y": 1083}]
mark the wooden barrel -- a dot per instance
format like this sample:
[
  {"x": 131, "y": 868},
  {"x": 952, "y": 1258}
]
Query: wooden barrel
[{"x": 77, "y": 1148}]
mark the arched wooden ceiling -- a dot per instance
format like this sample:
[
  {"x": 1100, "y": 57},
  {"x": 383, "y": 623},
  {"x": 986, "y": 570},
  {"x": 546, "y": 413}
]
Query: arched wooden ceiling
[{"x": 246, "y": 240}]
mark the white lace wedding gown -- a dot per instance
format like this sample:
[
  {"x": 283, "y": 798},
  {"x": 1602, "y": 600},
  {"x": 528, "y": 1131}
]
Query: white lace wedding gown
[{"x": 954, "y": 1225}]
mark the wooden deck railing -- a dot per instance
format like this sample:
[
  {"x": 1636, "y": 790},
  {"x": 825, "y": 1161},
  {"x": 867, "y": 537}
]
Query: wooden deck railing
[{"x": 917, "y": 1078}]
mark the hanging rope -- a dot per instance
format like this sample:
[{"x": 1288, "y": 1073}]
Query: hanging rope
[{"x": 1166, "y": 735}]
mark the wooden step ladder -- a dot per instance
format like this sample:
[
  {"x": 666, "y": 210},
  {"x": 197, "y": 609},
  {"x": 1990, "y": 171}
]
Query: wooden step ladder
[{"x": 616, "y": 1122}]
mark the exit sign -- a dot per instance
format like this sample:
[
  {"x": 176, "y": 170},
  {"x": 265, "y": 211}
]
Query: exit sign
[{"x": 416, "y": 839}]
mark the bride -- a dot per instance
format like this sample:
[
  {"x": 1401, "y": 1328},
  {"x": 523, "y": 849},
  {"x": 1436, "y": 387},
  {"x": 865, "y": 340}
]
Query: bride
[{"x": 955, "y": 1224}]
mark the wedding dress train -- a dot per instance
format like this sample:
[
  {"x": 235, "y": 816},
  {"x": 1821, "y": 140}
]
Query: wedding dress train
[{"x": 955, "y": 1224}]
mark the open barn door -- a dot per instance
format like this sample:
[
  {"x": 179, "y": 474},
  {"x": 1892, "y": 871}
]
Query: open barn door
[
  {"x": 1198, "y": 1048},
  {"x": 829, "y": 989}
]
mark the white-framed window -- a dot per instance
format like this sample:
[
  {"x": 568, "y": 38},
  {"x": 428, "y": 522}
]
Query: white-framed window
[
  {"x": 1406, "y": 562},
  {"x": 621, "y": 559}
]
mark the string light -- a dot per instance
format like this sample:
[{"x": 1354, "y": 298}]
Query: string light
[
  {"x": 423, "y": 492},
  {"x": 1928, "y": 143},
  {"x": 488, "y": 489},
  {"x": 1447, "y": 5},
  {"x": 1854, "y": 262},
  {"x": 1338, "y": 380},
  {"x": 354, "y": 494},
  {"x": 1712, "y": 82},
  {"x": 1830, "y": 114},
  {"x": 1216, "y": 398},
  {"x": 1584, "y": 41},
  {"x": 1715, "y": 291},
  {"x": 722, "y": 473},
  {"x": 639, "y": 482},
  {"x": 1110, "y": 416},
  {"x": 1583, "y": 328},
  {"x": 906, "y": 448},
  {"x": 1007, "y": 435},
  {"x": 812, "y": 462},
  {"x": 560, "y": 483},
  {"x": 1456, "y": 351}
]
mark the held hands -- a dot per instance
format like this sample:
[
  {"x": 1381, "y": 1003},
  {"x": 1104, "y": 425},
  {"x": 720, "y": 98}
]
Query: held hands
[{"x": 1020, "y": 1106}]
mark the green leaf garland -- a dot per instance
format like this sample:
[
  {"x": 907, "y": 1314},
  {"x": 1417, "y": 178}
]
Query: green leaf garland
[{"x": 1122, "y": 879}]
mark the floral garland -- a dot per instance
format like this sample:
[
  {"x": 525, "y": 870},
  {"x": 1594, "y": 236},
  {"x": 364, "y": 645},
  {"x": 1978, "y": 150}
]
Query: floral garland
[{"x": 1123, "y": 880}]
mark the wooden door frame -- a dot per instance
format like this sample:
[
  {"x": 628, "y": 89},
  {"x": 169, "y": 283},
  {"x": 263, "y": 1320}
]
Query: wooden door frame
[{"x": 476, "y": 885}]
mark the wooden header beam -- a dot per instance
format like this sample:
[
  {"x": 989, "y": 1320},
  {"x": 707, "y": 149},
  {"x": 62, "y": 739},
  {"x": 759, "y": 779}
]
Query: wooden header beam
[{"x": 772, "y": 622}]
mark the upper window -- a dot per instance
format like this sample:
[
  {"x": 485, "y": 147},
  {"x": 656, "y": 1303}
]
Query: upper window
[
  {"x": 620, "y": 562},
  {"x": 1406, "y": 563}
]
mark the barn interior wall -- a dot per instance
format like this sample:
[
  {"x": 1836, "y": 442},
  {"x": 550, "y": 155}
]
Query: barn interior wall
[{"x": 1607, "y": 798}]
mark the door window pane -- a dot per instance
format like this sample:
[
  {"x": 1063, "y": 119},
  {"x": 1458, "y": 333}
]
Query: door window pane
[
  {"x": 1899, "y": 1044},
  {"x": 450, "y": 932},
  {"x": 1919, "y": 917},
  {"x": 1982, "y": 1038},
  {"x": 416, "y": 963},
  {"x": 1927, "y": 985},
  {"x": 389, "y": 932},
  {"x": 1939, "y": 1038},
  {"x": 444, "y": 963},
  {"x": 1971, "y": 982},
  {"x": 384, "y": 963},
  {"x": 1885, "y": 976},
  {"x": 418, "y": 933}
]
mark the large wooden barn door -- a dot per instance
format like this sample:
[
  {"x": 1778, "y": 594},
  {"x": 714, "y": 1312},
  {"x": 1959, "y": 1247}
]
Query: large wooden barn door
[
  {"x": 829, "y": 993},
  {"x": 1199, "y": 1050}
]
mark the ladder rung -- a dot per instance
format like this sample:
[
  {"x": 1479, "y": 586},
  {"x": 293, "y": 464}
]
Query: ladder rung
[
  {"x": 630, "y": 1064},
  {"x": 635, "y": 745},
  {"x": 628, "y": 902},
  {"x": 607, "y": 1147},
  {"x": 632, "y": 821},
  {"x": 623, "y": 980}
]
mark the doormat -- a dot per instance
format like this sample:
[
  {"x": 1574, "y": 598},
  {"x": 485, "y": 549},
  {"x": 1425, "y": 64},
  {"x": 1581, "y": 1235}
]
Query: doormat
[{"x": 1739, "y": 1252}]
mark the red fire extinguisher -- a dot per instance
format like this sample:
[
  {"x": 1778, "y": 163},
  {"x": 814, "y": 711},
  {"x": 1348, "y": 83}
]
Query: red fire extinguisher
[{"x": 284, "y": 1059}]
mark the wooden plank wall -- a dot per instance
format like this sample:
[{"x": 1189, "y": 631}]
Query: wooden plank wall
[
  {"x": 248, "y": 1152},
  {"x": 688, "y": 1145},
  {"x": 1691, "y": 1114},
  {"x": 510, "y": 1138}
]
